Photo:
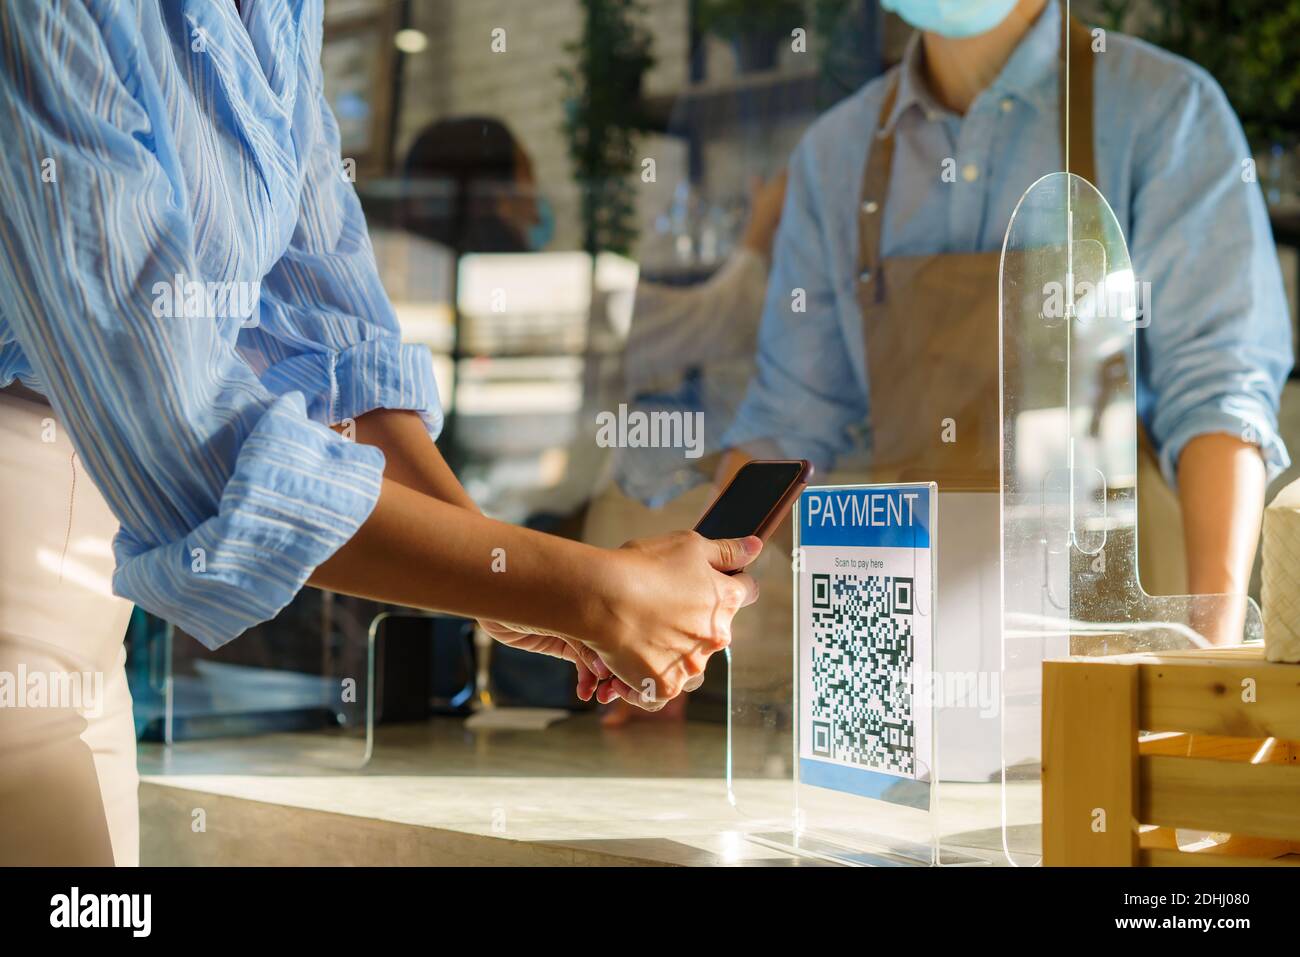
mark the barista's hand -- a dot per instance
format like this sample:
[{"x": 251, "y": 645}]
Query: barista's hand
[
  {"x": 1219, "y": 619},
  {"x": 668, "y": 605}
]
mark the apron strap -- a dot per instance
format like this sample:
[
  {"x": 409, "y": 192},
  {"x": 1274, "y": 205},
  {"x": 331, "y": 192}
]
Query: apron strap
[{"x": 875, "y": 184}]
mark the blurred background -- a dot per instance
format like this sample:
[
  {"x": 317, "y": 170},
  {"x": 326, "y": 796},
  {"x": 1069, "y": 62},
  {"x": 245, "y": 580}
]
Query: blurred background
[{"x": 528, "y": 170}]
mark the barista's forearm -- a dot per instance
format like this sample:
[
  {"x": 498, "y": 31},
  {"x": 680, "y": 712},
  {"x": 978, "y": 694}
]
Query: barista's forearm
[
  {"x": 416, "y": 550},
  {"x": 412, "y": 458},
  {"x": 1221, "y": 487}
]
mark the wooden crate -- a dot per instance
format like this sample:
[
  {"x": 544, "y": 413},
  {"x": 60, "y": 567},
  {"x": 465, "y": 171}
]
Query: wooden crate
[{"x": 1135, "y": 746}]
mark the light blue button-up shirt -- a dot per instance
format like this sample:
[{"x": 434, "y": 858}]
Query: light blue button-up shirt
[
  {"x": 1169, "y": 156},
  {"x": 185, "y": 273}
]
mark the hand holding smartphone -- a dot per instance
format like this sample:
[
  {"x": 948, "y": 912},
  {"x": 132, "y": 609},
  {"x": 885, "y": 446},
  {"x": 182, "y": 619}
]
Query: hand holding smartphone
[
  {"x": 754, "y": 502},
  {"x": 756, "y": 499}
]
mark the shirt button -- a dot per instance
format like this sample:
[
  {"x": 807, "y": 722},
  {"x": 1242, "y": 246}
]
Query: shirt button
[
  {"x": 870, "y": 206},
  {"x": 864, "y": 276},
  {"x": 932, "y": 115},
  {"x": 970, "y": 172},
  {"x": 1007, "y": 104}
]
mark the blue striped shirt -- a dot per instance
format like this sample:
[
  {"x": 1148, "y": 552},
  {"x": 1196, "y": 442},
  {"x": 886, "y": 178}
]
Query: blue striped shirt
[{"x": 185, "y": 273}]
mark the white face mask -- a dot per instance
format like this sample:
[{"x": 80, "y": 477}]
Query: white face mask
[{"x": 952, "y": 18}]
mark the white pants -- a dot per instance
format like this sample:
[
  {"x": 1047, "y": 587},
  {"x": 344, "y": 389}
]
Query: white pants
[{"x": 68, "y": 781}]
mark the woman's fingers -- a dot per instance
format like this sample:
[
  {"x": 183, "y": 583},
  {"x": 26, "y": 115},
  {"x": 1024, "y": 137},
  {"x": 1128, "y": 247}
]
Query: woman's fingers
[
  {"x": 616, "y": 688},
  {"x": 590, "y": 658},
  {"x": 591, "y": 669},
  {"x": 745, "y": 587},
  {"x": 733, "y": 554},
  {"x": 587, "y": 683},
  {"x": 585, "y": 661},
  {"x": 635, "y": 696}
]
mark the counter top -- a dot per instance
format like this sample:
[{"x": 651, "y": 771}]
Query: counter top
[{"x": 435, "y": 793}]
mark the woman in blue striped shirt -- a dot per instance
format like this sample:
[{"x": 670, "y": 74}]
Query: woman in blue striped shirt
[{"x": 185, "y": 277}]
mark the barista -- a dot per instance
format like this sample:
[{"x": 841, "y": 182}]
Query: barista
[{"x": 901, "y": 286}]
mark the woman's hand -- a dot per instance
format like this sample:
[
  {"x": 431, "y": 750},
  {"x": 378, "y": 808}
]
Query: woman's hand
[
  {"x": 653, "y": 611},
  {"x": 668, "y": 606},
  {"x": 591, "y": 670}
]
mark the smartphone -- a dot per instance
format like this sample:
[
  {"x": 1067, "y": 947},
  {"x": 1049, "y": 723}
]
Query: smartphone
[{"x": 756, "y": 499}]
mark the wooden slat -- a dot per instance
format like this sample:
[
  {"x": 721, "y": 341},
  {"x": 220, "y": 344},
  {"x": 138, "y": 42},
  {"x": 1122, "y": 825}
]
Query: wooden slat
[
  {"x": 1166, "y": 838},
  {"x": 1089, "y": 763},
  {"x": 1253, "y": 750},
  {"x": 1259, "y": 800},
  {"x": 1156, "y": 838},
  {"x": 1200, "y": 745},
  {"x": 1163, "y": 858},
  {"x": 1216, "y": 653},
  {"x": 1213, "y": 655},
  {"x": 1205, "y": 695}
]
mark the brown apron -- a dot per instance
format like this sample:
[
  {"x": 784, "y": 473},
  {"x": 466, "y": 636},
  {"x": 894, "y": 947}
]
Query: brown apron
[{"x": 931, "y": 332}]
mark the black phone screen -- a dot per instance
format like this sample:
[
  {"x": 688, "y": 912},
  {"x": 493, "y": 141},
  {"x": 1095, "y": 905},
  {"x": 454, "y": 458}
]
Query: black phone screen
[{"x": 756, "y": 489}]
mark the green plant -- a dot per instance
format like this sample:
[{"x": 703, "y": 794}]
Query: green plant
[
  {"x": 727, "y": 18},
  {"x": 1110, "y": 13},
  {"x": 603, "y": 116},
  {"x": 847, "y": 47},
  {"x": 1252, "y": 47}
]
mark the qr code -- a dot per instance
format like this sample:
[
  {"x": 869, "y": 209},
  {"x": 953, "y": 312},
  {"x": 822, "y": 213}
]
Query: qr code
[{"x": 862, "y": 654}]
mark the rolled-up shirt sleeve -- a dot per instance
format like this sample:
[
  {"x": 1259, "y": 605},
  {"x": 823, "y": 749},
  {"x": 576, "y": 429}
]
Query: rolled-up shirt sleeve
[
  {"x": 326, "y": 327},
  {"x": 804, "y": 397},
  {"x": 1217, "y": 347},
  {"x": 228, "y": 495}
]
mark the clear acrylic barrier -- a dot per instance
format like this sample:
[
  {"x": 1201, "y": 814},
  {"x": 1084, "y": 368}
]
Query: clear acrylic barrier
[
  {"x": 292, "y": 696},
  {"x": 1041, "y": 563},
  {"x": 1071, "y": 457}
]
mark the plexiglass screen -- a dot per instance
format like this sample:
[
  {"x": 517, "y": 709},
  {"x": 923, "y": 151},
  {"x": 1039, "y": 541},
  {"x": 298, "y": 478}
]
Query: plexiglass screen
[{"x": 1073, "y": 459}]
